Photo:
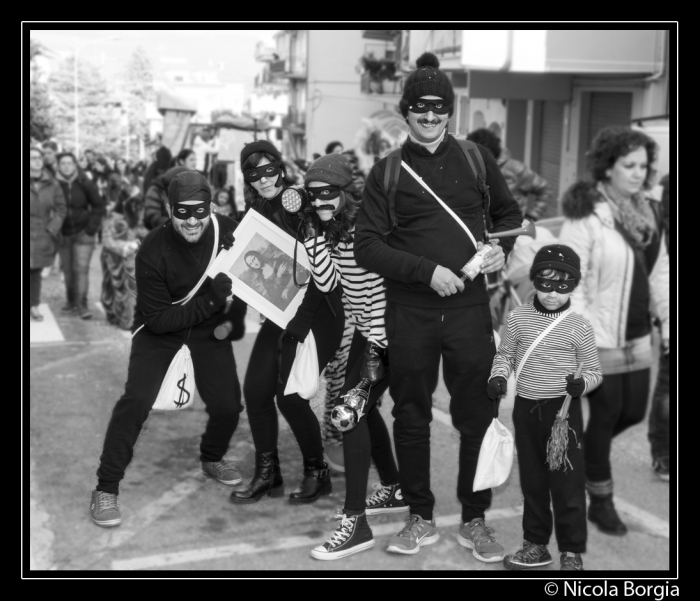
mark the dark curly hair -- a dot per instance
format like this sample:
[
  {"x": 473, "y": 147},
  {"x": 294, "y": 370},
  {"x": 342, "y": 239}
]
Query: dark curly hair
[
  {"x": 250, "y": 194},
  {"x": 616, "y": 141},
  {"x": 488, "y": 140},
  {"x": 338, "y": 228}
]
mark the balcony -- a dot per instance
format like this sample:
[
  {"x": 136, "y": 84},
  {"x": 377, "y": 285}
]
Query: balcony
[{"x": 379, "y": 76}]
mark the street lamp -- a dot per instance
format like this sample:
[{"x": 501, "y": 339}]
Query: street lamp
[{"x": 76, "y": 49}]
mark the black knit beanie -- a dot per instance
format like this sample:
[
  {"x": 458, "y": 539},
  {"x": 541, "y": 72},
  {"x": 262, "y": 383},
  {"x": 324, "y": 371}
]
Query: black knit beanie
[
  {"x": 427, "y": 80},
  {"x": 189, "y": 185},
  {"x": 335, "y": 169},
  {"x": 557, "y": 256},
  {"x": 260, "y": 146}
]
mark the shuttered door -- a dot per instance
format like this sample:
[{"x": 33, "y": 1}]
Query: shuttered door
[
  {"x": 551, "y": 130},
  {"x": 608, "y": 108}
]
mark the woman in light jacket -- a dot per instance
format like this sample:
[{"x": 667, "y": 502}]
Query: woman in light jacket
[{"x": 614, "y": 227}]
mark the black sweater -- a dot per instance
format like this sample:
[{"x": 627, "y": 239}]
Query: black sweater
[
  {"x": 167, "y": 268},
  {"x": 426, "y": 235}
]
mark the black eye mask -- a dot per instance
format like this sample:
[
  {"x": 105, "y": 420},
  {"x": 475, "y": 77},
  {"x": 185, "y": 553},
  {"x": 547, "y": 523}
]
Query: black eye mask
[
  {"x": 561, "y": 286},
  {"x": 438, "y": 107},
  {"x": 256, "y": 173},
  {"x": 323, "y": 193},
  {"x": 198, "y": 211}
]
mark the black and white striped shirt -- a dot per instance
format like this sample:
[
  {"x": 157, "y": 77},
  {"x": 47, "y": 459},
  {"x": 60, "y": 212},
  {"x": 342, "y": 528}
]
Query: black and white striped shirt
[
  {"x": 365, "y": 290},
  {"x": 555, "y": 356}
]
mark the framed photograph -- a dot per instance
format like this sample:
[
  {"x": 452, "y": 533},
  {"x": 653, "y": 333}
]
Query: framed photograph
[{"x": 260, "y": 263}]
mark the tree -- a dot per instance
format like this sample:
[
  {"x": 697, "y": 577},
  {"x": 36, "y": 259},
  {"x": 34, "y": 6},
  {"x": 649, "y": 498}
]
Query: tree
[
  {"x": 138, "y": 85},
  {"x": 98, "y": 119},
  {"x": 40, "y": 121}
]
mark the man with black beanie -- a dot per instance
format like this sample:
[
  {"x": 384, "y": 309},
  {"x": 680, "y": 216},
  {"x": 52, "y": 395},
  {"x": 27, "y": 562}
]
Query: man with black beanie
[
  {"x": 432, "y": 313},
  {"x": 169, "y": 264}
]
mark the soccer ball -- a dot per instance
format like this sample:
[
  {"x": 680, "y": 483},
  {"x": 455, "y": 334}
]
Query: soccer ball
[{"x": 344, "y": 418}]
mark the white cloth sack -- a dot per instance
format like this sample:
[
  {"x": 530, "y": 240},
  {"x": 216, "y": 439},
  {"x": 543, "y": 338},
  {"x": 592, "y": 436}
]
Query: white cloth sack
[
  {"x": 495, "y": 457},
  {"x": 177, "y": 390},
  {"x": 303, "y": 378}
]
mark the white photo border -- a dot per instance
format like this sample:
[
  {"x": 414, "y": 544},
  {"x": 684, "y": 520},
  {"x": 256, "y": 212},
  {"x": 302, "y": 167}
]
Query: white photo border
[{"x": 253, "y": 223}]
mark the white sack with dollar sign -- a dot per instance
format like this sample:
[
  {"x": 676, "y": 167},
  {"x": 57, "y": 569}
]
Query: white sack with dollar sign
[{"x": 177, "y": 390}]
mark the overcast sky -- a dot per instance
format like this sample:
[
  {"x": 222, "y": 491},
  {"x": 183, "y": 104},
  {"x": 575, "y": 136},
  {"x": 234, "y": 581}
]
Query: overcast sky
[{"x": 231, "y": 52}]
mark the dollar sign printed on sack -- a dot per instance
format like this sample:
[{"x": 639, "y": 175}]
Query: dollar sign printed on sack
[{"x": 181, "y": 386}]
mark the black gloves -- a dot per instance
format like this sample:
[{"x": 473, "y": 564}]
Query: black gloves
[
  {"x": 496, "y": 388},
  {"x": 232, "y": 325},
  {"x": 227, "y": 240},
  {"x": 575, "y": 386},
  {"x": 374, "y": 363},
  {"x": 219, "y": 290}
]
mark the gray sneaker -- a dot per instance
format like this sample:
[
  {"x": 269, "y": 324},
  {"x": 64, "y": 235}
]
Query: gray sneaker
[
  {"x": 223, "y": 471},
  {"x": 415, "y": 533},
  {"x": 104, "y": 509},
  {"x": 477, "y": 536},
  {"x": 530, "y": 556}
]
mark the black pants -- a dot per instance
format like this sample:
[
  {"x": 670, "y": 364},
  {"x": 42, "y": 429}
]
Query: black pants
[
  {"x": 659, "y": 416},
  {"x": 533, "y": 421},
  {"x": 370, "y": 438},
  {"x": 216, "y": 380},
  {"x": 618, "y": 403},
  {"x": 418, "y": 338},
  {"x": 34, "y": 287},
  {"x": 261, "y": 386}
]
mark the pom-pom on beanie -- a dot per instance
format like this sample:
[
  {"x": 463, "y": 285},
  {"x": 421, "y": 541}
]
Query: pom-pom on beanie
[
  {"x": 557, "y": 256},
  {"x": 189, "y": 185},
  {"x": 260, "y": 146},
  {"x": 427, "y": 80},
  {"x": 335, "y": 169}
]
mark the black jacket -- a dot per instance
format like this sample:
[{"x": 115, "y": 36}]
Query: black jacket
[{"x": 85, "y": 207}]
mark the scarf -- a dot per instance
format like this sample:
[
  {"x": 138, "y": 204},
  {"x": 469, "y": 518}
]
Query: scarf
[{"x": 633, "y": 213}]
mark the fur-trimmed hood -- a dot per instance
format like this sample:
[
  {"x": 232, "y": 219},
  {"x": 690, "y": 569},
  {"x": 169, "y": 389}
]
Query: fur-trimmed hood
[{"x": 579, "y": 200}]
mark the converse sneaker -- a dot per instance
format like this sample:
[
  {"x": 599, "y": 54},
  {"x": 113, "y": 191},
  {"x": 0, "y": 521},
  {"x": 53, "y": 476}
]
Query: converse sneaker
[
  {"x": 477, "y": 536},
  {"x": 530, "y": 556},
  {"x": 352, "y": 535},
  {"x": 104, "y": 509},
  {"x": 571, "y": 561},
  {"x": 224, "y": 471},
  {"x": 415, "y": 533},
  {"x": 386, "y": 499}
]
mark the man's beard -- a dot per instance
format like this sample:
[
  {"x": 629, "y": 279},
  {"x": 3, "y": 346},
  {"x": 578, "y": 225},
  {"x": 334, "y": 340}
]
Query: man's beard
[{"x": 191, "y": 235}]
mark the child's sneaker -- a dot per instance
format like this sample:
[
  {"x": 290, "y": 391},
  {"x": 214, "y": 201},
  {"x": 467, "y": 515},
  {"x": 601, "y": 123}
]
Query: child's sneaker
[
  {"x": 352, "y": 535},
  {"x": 224, "y": 471},
  {"x": 387, "y": 499},
  {"x": 661, "y": 468},
  {"x": 415, "y": 533},
  {"x": 571, "y": 561},
  {"x": 479, "y": 537},
  {"x": 530, "y": 556},
  {"x": 104, "y": 509}
]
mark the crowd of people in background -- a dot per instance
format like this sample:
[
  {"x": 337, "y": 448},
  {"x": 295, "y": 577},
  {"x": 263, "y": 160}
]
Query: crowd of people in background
[{"x": 79, "y": 202}]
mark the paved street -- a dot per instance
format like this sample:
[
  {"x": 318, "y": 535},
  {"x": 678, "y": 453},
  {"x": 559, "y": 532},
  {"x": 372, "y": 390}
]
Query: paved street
[{"x": 176, "y": 519}]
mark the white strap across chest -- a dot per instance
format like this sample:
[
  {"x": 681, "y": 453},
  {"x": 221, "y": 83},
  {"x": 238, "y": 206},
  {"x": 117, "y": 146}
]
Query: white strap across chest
[
  {"x": 544, "y": 332},
  {"x": 444, "y": 206}
]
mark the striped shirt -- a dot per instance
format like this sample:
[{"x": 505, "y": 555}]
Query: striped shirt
[
  {"x": 555, "y": 356},
  {"x": 365, "y": 290}
]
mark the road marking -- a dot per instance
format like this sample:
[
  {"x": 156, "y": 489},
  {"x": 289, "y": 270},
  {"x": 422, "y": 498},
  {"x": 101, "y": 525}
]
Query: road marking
[
  {"x": 284, "y": 544},
  {"x": 649, "y": 522},
  {"x": 100, "y": 308},
  {"x": 151, "y": 512},
  {"x": 46, "y": 330},
  {"x": 442, "y": 417}
]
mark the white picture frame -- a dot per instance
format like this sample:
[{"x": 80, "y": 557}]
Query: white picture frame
[{"x": 260, "y": 264}]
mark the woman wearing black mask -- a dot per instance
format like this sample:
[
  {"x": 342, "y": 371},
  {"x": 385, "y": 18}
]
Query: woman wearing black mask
[{"x": 274, "y": 350}]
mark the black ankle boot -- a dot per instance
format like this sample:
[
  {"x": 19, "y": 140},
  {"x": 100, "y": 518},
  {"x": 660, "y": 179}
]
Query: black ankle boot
[
  {"x": 602, "y": 513},
  {"x": 266, "y": 481},
  {"x": 316, "y": 482}
]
